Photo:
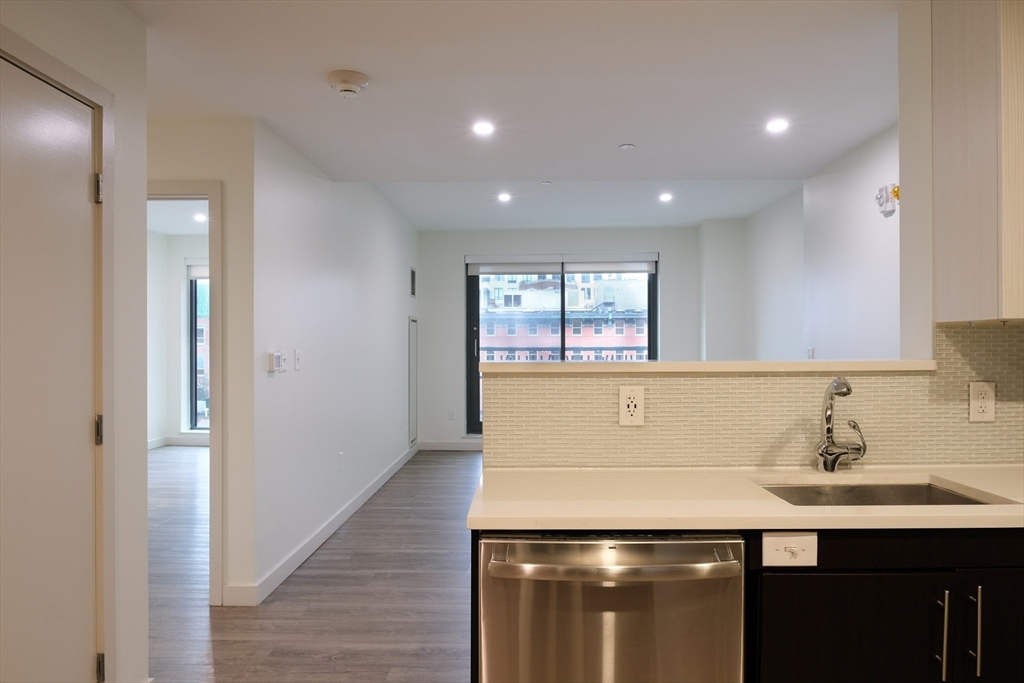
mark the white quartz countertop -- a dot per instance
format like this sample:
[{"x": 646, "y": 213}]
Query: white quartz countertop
[{"x": 686, "y": 498}]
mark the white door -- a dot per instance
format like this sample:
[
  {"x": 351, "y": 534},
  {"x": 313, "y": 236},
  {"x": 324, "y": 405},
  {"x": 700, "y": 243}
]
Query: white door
[{"x": 47, "y": 384}]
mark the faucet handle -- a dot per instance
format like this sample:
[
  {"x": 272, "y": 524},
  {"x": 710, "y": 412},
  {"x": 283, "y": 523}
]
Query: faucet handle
[{"x": 857, "y": 451}]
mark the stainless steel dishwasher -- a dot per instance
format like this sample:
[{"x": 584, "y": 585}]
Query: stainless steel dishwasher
[{"x": 611, "y": 608}]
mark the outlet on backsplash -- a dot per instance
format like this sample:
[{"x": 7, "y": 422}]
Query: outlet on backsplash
[
  {"x": 983, "y": 402},
  {"x": 631, "y": 406}
]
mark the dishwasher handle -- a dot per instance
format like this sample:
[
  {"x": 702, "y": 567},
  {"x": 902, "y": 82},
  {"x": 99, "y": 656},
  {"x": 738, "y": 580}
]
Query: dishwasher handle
[{"x": 618, "y": 573}]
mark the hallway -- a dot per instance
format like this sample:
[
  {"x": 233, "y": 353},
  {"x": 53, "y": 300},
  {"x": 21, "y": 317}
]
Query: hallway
[{"x": 385, "y": 598}]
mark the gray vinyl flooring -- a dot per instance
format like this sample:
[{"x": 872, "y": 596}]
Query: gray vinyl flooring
[{"x": 386, "y": 598}]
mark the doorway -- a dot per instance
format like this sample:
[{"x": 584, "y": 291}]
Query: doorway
[{"x": 184, "y": 403}]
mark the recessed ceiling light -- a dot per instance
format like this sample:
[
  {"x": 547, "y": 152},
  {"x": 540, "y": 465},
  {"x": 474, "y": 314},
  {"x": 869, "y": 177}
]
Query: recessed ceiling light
[
  {"x": 483, "y": 128},
  {"x": 777, "y": 125},
  {"x": 504, "y": 197},
  {"x": 200, "y": 218},
  {"x": 627, "y": 145},
  {"x": 665, "y": 196}
]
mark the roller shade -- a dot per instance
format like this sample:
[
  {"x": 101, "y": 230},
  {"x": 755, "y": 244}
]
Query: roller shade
[{"x": 553, "y": 263}]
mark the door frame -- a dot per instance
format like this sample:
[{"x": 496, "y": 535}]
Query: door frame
[
  {"x": 59, "y": 75},
  {"x": 210, "y": 190}
]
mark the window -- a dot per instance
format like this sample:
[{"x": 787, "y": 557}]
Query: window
[
  {"x": 199, "y": 351},
  {"x": 619, "y": 294},
  {"x": 640, "y": 325}
]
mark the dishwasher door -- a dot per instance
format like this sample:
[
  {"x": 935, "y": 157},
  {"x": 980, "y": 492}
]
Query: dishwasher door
[{"x": 590, "y": 609}]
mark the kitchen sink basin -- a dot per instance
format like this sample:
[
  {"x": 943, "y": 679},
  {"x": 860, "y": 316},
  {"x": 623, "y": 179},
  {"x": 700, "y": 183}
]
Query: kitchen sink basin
[{"x": 870, "y": 494}]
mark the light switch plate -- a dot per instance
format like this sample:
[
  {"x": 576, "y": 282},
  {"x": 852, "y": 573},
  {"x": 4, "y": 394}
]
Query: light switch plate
[{"x": 789, "y": 549}]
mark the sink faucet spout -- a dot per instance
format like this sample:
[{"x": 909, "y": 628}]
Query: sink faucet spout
[{"x": 829, "y": 451}]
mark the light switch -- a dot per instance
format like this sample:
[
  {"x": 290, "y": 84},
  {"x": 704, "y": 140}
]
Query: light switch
[
  {"x": 789, "y": 549},
  {"x": 296, "y": 354}
]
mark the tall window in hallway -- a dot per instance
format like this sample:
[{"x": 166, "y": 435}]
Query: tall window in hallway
[{"x": 199, "y": 347}]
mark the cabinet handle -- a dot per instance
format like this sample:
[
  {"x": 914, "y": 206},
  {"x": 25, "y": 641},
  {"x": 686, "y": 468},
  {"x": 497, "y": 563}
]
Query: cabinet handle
[
  {"x": 944, "y": 603},
  {"x": 977, "y": 668}
]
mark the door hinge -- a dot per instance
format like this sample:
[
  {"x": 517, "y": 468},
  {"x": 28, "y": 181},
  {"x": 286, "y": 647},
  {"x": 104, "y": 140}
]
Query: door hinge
[
  {"x": 101, "y": 668},
  {"x": 99, "y": 430},
  {"x": 98, "y": 188}
]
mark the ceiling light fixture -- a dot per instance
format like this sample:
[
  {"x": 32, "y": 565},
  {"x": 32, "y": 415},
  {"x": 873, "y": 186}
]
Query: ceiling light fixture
[
  {"x": 348, "y": 83},
  {"x": 200, "y": 218},
  {"x": 545, "y": 182},
  {"x": 665, "y": 196},
  {"x": 483, "y": 128},
  {"x": 627, "y": 145},
  {"x": 504, "y": 197},
  {"x": 777, "y": 125}
]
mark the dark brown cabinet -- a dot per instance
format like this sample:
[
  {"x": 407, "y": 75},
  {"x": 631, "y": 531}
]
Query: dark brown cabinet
[
  {"x": 892, "y": 606},
  {"x": 989, "y": 625},
  {"x": 824, "y": 627}
]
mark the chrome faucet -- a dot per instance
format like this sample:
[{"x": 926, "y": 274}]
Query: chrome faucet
[{"x": 829, "y": 452}]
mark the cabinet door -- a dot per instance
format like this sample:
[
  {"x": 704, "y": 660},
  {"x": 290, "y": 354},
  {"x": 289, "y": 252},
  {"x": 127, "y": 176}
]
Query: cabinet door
[
  {"x": 870, "y": 627},
  {"x": 990, "y": 625}
]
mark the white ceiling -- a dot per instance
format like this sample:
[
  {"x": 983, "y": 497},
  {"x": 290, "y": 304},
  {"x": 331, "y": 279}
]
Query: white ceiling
[
  {"x": 177, "y": 216},
  {"x": 690, "y": 83}
]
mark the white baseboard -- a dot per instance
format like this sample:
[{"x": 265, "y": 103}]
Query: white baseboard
[
  {"x": 468, "y": 444},
  {"x": 249, "y": 596},
  {"x": 189, "y": 440},
  {"x": 239, "y": 596},
  {"x": 158, "y": 443}
]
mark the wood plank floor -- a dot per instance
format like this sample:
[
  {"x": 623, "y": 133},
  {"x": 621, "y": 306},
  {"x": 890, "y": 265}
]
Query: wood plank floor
[{"x": 386, "y": 598}]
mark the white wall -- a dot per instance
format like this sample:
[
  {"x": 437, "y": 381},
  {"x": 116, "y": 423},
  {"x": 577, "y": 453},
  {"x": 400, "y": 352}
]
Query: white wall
[
  {"x": 156, "y": 338},
  {"x": 107, "y": 44},
  {"x": 222, "y": 149},
  {"x": 852, "y": 256},
  {"x": 775, "y": 279},
  {"x": 726, "y": 315},
  {"x": 442, "y": 295},
  {"x": 168, "y": 337},
  {"x": 331, "y": 270}
]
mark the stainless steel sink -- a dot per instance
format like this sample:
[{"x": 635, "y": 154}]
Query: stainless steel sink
[{"x": 870, "y": 494}]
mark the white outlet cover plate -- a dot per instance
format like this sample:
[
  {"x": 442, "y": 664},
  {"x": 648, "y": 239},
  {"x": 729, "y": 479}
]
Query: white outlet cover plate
[
  {"x": 983, "y": 402},
  {"x": 631, "y": 406}
]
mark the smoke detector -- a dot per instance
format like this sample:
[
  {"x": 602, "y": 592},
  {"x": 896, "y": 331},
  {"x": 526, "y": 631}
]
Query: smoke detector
[{"x": 348, "y": 83}]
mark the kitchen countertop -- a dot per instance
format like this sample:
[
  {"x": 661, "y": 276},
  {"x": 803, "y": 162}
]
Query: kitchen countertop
[{"x": 692, "y": 499}]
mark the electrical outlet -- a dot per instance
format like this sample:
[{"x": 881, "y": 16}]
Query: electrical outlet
[
  {"x": 983, "y": 402},
  {"x": 451, "y": 414},
  {"x": 631, "y": 406}
]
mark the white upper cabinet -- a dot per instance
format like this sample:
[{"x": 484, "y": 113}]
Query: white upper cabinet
[{"x": 978, "y": 157}]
